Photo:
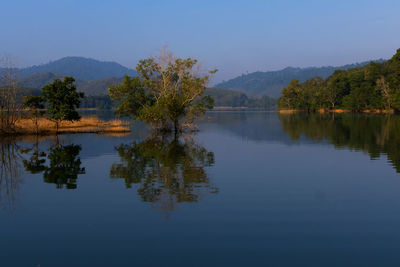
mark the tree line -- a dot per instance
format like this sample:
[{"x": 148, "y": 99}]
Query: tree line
[{"x": 374, "y": 86}]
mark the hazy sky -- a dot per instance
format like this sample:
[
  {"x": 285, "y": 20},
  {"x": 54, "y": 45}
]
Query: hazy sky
[{"x": 233, "y": 36}]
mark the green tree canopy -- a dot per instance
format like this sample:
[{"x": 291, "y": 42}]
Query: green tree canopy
[
  {"x": 62, "y": 99},
  {"x": 35, "y": 104},
  {"x": 374, "y": 86},
  {"x": 168, "y": 92}
]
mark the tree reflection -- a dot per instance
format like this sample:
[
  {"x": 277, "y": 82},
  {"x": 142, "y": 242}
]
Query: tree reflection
[
  {"x": 36, "y": 162},
  {"x": 9, "y": 172},
  {"x": 64, "y": 165},
  {"x": 374, "y": 134},
  {"x": 165, "y": 171}
]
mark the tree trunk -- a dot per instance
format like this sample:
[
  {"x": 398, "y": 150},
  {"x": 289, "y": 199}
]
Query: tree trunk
[{"x": 37, "y": 125}]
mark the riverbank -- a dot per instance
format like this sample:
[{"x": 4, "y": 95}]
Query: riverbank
[
  {"x": 87, "y": 124},
  {"x": 321, "y": 111}
]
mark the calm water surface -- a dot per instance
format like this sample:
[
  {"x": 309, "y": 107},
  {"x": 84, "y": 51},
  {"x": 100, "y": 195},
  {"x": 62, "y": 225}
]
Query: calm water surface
[{"x": 251, "y": 188}]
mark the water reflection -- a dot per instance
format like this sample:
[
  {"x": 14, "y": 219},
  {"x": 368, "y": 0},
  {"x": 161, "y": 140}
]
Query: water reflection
[
  {"x": 10, "y": 169},
  {"x": 374, "y": 134},
  {"x": 165, "y": 171},
  {"x": 63, "y": 168}
]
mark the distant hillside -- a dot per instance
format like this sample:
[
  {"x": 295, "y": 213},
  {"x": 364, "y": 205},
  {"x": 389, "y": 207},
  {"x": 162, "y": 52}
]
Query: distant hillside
[
  {"x": 37, "y": 81},
  {"x": 227, "y": 98},
  {"x": 271, "y": 83},
  {"x": 97, "y": 87},
  {"x": 96, "y": 92},
  {"x": 230, "y": 98},
  {"x": 80, "y": 68}
]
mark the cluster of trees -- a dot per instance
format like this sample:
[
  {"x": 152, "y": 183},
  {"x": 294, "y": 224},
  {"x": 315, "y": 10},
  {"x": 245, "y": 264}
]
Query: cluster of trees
[
  {"x": 61, "y": 99},
  {"x": 168, "y": 93},
  {"x": 222, "y": 98},
  {"x": 374, "y": 86},
  {"x": 272, "y": 82}
]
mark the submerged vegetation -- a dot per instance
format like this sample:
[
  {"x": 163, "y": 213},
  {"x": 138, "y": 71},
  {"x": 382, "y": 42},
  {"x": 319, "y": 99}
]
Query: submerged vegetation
[
  {"x": 52, "y": 112},
  {"x": 375, "y": 86}
]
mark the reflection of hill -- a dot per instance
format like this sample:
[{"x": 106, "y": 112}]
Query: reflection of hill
[
  {"x": 254, "y": 126},
  {"x": 375, "y": 134},
  {"x": 165, "y": 172}
]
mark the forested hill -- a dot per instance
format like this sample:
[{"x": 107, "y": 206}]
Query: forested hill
[
  {"x": 373, "y": 87},
  {"x": 96, "y": 92},
  {"x": 271, "y": 83},
  {"x": 80, "y": 68},
  {"x": 94, "y": 87}
]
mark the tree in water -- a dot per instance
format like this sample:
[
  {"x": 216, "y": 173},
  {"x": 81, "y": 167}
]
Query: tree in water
[{"x": 168, "y": 92}]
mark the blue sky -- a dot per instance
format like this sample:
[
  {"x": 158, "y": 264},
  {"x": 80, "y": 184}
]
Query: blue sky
[{"x": 233, "y": 36}]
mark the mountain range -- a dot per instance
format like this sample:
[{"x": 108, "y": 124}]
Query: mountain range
[
  {"x": 93, "y": 77},
  {"x": 80, "y": 68},
  {"x": 271, "y": 83}
]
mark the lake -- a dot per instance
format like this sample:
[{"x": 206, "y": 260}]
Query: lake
[{"x": 250, "y": 188}]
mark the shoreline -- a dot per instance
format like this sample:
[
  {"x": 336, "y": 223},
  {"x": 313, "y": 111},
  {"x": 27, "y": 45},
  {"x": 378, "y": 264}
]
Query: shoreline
[
  {"x": 87, "y": 124},
  {"x": 322, "y": 111}
]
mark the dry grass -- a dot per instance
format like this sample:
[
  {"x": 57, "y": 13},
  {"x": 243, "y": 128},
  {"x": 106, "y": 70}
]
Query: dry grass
[
  {"x": 288, "y": 111},
  {"x": 87, "y": 124}
]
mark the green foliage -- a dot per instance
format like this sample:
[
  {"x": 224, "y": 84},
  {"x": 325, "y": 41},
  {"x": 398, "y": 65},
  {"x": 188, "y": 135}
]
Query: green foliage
[
  {"x": 102, "y": 102},
  {"x": 62, "y": 99},
  {"x": 35, "y": 104},
  {"x": 167, "y": 93},
  {"x": 374, "y": 86},
  {"x": 271, "y": 83}
]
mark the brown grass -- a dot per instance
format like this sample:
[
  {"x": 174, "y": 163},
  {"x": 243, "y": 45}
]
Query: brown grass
[
  {"x": 87, "y": 124},
  {"x": 288, "y": 111}
]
